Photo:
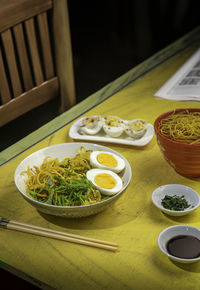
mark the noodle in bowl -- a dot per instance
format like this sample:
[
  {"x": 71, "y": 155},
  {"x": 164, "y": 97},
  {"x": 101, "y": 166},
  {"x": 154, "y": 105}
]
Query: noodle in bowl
[
  {"x": 61, "y": 151},
  {"x": 179, "y": 140}
]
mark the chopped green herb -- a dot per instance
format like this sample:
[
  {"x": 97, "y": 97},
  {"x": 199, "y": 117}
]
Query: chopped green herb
[
  {"x": 175, "y": 202},
  {"x": 63, "y": 183},
  {"x": 67, "y": 193}
]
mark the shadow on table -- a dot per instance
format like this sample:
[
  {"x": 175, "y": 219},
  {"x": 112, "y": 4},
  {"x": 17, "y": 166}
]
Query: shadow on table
[
  {"x": 160, "y": 217},
  {"x": 109, "y": 218},
  {"x": 159, "y": 259},
  {"x": 194, "y": 267}
]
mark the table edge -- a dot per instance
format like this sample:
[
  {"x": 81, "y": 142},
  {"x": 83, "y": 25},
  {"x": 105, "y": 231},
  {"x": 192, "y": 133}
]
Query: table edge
[{"x": 24, "y": 276}]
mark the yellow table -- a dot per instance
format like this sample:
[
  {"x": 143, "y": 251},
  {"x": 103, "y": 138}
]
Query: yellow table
[{"x": 132, "y": 222}]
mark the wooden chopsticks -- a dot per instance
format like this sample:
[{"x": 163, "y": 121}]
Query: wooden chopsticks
[{"x": 45, "y": 232}]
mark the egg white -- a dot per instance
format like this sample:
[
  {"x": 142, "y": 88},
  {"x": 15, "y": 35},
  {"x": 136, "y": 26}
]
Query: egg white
[
  {"x": 93, "y": 127},
  {"x": 118, "y": 186},
  {"x": 114, "y": 131},
  {"x": 95, "y": 163},
  {"x": 133, "y": 133}
]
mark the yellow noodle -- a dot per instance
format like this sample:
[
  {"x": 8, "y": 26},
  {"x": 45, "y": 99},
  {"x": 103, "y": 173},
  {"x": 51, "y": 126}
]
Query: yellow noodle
[
  {"x": 41, "y": 177},
  {"x": 181, "y": 127},
  {"x": 37, "y": 177}
]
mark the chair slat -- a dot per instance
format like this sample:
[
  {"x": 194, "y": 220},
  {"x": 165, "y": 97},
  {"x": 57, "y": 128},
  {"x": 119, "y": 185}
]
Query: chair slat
[
  {"x": 33, "y": 47},
  {"x": 23, "y": 56},
  {"x": 36, "y": 61},
  {"x": 13, "y": 12},
  {"x": 4, "y": 88},
  {"x": 11, "y": 61},
  {"x": 46, "y": 45},
  {"x": 29, "y": 100}
]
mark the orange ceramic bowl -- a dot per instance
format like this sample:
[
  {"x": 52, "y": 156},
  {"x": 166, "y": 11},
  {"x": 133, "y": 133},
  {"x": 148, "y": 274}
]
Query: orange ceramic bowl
[{"x": 184, "y": 158}]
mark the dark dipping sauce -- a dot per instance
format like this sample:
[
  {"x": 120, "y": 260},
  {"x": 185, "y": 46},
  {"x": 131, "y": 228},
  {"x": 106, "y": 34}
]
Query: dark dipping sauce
[{"x": 183, "y": 246}]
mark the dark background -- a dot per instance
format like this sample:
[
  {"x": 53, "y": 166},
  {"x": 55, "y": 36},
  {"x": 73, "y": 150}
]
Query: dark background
[{"x": 109, "y": 37}]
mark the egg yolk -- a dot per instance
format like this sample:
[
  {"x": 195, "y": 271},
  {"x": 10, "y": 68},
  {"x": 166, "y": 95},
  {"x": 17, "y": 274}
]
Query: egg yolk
[
  {"x": 90, "y": 122},
  {"x": 105, "y": 180},
  {"x": 107, "y": 160},
  {"x": 111, "y": 121},
  {"x": 138, "y": 125}
]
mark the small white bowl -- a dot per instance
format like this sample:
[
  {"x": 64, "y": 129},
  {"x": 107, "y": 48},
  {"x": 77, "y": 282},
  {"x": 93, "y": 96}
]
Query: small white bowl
[
  {"x": 189, "y": 194},
  {"x": 173, "y": 231}
]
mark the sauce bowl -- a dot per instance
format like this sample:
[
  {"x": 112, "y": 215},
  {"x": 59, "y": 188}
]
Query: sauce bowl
[{"x": 178, "y": 230}]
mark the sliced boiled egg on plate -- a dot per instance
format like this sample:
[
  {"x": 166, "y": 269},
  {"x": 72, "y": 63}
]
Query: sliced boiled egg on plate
[
  {"x": 106, "y": 160},
  {"x": 106, "y": 181},
  {"x": 113, "y": 126},
  {"x": 91, "y": 125},
  {"x": 136, "y": 128}
]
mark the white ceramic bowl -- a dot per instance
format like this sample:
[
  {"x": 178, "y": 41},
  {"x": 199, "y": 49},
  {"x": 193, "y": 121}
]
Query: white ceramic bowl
[
  {"x": 189, "y": 194},
  {"x": 173, "y": 231},
  {"x": 61, "y": 151}
]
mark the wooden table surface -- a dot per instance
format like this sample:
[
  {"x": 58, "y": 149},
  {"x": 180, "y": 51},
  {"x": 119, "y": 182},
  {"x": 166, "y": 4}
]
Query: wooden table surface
[{"x": 132, "y": 222}]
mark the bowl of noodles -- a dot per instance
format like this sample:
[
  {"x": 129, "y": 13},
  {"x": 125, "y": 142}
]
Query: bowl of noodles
[
  {"x": 178, "y": 136},
  {"x": 53, "y": 180}
]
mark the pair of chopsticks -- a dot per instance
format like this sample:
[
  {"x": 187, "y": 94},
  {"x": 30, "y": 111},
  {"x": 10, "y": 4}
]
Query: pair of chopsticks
[{"x": 40, "y": 231}]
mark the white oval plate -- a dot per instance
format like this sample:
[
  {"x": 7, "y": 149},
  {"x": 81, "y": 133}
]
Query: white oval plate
[{"x": 102, "y": 137}]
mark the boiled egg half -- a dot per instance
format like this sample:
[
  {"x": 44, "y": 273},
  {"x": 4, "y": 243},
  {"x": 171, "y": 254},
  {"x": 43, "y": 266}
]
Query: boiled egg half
[
  {"x": 113, "y": 126},
  {"x": 107, "y": 160},
  {"x": 91, "y": 125},
  {"x": 136, "y": 128},
  {"x": 106, "y": 181}
]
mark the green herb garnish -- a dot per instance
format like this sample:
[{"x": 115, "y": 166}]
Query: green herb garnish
[
  {"x": 175, "y": 202},
  {"x": 73, "y": 192},
  {"x": 63, "y": 183}
]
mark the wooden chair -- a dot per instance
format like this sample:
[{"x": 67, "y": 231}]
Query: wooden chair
[{"x": 35, "y": 56}]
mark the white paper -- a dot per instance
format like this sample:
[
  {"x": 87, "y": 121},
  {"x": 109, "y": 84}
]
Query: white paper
[{"x": 184, "y": 85}]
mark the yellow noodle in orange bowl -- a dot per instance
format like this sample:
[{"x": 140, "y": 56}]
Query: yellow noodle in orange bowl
[{"x": 178, "y": 137}]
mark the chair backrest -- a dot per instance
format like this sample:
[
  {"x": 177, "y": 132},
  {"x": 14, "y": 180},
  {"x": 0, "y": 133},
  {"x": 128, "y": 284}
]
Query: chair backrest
[{"x": 35, "y": 56}]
